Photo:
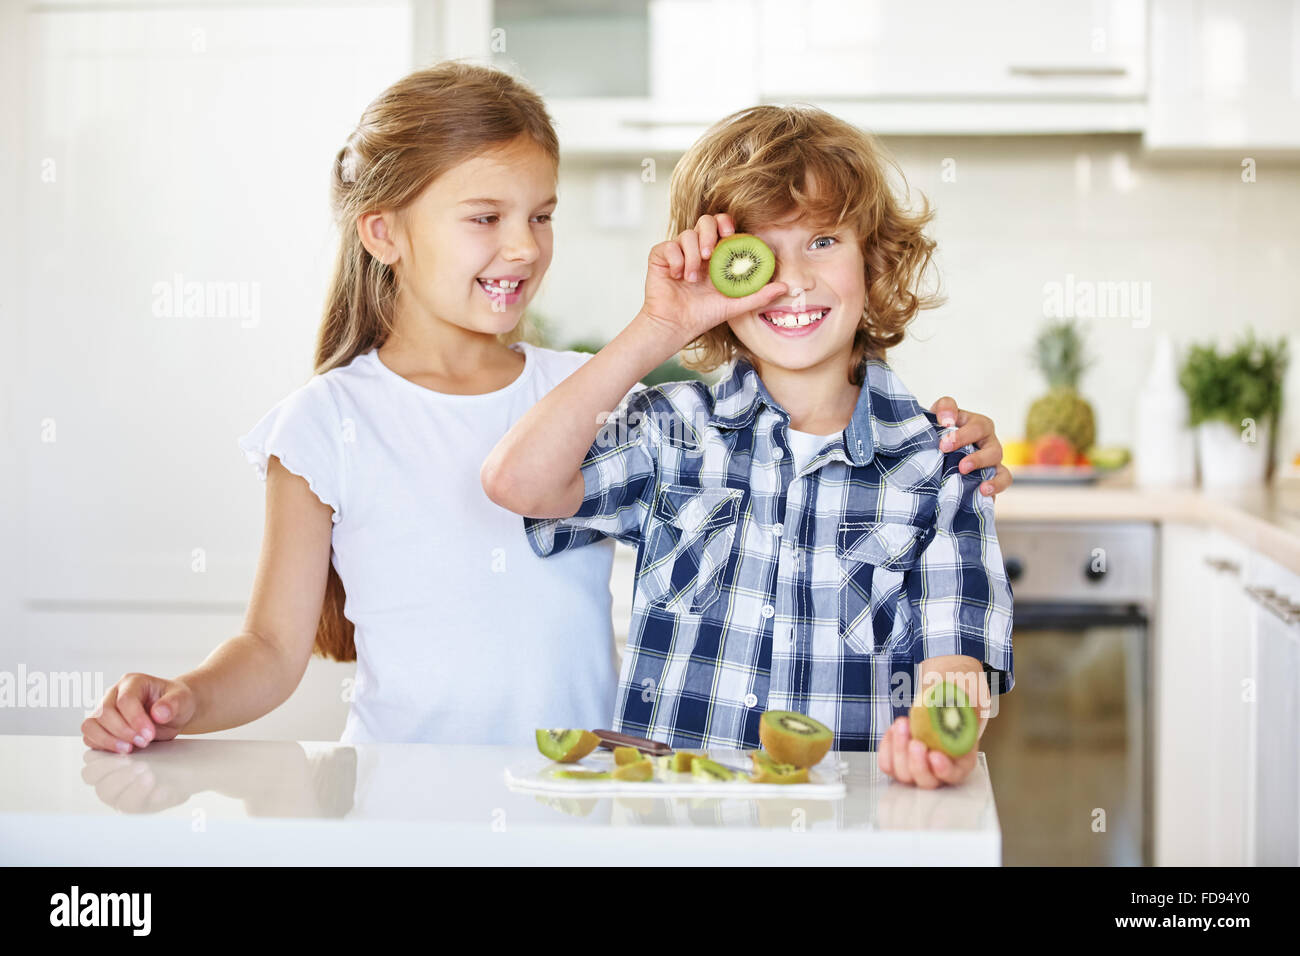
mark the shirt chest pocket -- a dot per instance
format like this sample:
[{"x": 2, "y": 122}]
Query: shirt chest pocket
[
  {"x": 689, "y": 547},
  {"x": 874, "y": 559}
]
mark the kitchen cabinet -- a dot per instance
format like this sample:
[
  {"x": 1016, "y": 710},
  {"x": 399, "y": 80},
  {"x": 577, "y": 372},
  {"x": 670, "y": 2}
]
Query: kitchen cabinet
[
  {"x": 1227, "y": 725},
  {"x": 1273, "y": 776},
  {"x": 935, "y": 66},
  {"x": 1223, "y": 77},
  {"x": 946, "y": 49}
]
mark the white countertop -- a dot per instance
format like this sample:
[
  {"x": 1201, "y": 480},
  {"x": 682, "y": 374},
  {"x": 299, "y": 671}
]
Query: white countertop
[
  {"x": 193, "y": 801},
  {"x": 1263, "y": 517}
]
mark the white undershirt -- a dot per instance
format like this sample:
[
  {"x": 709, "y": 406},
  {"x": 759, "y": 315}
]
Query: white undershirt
[{"x": 804, "y": 446}]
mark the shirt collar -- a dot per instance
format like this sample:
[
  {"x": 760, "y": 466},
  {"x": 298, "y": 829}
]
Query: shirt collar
[{"x": 887, "y": 419}]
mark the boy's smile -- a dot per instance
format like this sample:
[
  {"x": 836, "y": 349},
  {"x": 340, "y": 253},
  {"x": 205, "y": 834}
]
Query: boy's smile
[{"x": 817, "y": 322}]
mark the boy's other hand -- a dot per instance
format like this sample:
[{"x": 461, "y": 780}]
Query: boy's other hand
[
  {"x": 973, "y": 429},
  {"x": 679, "y": 295},
  {"x": 910, "y": 761}
]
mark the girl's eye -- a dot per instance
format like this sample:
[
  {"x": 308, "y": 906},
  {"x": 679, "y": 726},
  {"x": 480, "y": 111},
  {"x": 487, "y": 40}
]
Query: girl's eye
[
  {"x": 545, "y": 216},
  {"x": 481, "y": 218},
  {"x": 820, "y": 238}
]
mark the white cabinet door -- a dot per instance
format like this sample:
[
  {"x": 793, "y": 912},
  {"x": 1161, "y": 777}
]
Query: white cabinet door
[
  {"x": 1223, "y": 75},
  {"x": 868, "y": 49},
  {"x": 179, "y": 245},
  {"x": 1275, "y": 739}
]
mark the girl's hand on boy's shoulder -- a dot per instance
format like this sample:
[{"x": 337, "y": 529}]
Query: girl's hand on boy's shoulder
[
  {"x": 679, "y": 296},
  {"x": 912, "y": 762},
  {"x": 973, "y": 429}
]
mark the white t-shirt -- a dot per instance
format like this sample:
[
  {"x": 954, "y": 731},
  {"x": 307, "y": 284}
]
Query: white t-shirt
[
  {"x": 463, "y": 634},
  {"x": 804, "y": 446}
]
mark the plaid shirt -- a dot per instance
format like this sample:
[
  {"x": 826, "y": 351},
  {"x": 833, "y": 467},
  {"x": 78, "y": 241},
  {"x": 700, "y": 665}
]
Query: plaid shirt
[{"x": 759, "y": 587}]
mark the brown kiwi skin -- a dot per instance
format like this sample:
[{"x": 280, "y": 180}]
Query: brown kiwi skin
[{"x": 786, "y": 748}]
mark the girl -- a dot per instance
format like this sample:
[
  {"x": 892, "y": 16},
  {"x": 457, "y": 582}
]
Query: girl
[{"x": 380, "y": 545}]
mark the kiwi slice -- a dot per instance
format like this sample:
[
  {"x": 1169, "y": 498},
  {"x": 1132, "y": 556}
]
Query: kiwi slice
[
  {"x": 683, "y": 760},
  {"x": 740, "y": 265},
  {"x": 780, "y": 773},
  {"x": 639, "y": 770},
  {"x": 627, "y": 755},
  {"x": 944, "y": 720},
  {"x": 794, "y": 738},
  {"x": 583, "y": 774},
  {"x": 566, "y": 746},
  {"x": 704, "y": 769}
]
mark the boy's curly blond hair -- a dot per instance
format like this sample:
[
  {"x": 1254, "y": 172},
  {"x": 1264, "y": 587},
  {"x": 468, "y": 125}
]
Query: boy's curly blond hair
[{"x": 754, "y": 165}]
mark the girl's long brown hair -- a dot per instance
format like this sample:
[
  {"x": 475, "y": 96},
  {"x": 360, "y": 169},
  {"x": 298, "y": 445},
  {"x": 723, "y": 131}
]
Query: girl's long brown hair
[{"x": 412, "y": 133}]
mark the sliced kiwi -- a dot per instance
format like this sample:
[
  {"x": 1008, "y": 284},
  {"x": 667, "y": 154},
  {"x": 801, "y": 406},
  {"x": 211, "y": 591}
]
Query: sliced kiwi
[
  {"x": 704, "y": 769},
  {"x": 639, "y": 770},
  {"x": 794, "y": 738},
  {"x": 740, "y": 265},
  {"x": 780, "y": 773},
  {"x": 944, "y": 720},
  {"x": 683, "y": 760},
  {"x": 566, "y": 746},
  {"x": 584, "y": 774},
  {"x": 627, "y": 755}
]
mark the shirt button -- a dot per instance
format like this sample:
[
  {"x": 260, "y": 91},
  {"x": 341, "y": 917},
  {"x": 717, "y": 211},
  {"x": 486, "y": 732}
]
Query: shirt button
[
  {"x": 778, "y": 530},
  {"x": 751, "y": 700},
  {"x": 768, "y": 610},
  {"x": 777, "y": 454}
]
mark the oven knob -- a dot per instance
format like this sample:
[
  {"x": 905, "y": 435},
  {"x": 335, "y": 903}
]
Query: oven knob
[{"x": 1014, "y": 569}]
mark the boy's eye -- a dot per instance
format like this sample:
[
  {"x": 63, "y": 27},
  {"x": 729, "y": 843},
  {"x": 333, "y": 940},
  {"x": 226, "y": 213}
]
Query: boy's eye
[
  {"x": 545, "y": 216},
  {"x": 481, "y": 218},
  {"x": 820, "y": 238}
]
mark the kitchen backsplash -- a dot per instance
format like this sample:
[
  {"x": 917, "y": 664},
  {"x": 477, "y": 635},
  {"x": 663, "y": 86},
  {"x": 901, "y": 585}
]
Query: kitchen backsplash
[{"x": 1027, "y": 227}]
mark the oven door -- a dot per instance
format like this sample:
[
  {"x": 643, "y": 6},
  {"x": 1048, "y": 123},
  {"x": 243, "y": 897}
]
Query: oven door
[{"x": 1066, "y": 748}]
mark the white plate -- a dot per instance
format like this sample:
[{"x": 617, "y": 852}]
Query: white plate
[{"x": 825, "y": 781}]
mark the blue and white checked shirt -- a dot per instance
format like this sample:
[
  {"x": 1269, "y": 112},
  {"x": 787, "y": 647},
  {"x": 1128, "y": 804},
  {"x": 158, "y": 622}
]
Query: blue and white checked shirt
[{"x": 759, "y": 587}]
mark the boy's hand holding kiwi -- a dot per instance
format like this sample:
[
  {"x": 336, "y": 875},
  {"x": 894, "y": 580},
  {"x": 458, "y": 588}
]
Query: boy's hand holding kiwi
[{"x": 682, "y": 302}]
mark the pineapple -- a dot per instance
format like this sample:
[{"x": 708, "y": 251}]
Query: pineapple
[{"x": 1058, "y": 353}]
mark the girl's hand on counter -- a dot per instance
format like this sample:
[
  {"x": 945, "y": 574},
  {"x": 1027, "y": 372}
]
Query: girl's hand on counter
[
  {"x": 910, "y": 761},
  {"x": 973, "y": 429},
  {"x": 138, "y": 710}
]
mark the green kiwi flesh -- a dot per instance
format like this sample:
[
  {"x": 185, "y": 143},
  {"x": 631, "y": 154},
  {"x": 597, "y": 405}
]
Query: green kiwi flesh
[
  {"x": 740, "y": 265},
  {"x": 584, "y": 774},
  {"x": 944, "y": 720},
  {"x": 638, "y": 771},
  {"x": 566, "y": 746},
  {"x": 704, "y": 769},
  {"x": 627, "y": 755}
]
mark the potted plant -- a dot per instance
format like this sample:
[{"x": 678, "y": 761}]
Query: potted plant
[{"x": 1234, "y": 402}]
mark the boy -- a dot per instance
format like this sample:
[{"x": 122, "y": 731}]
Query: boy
[{"x": 804, "y": 542}]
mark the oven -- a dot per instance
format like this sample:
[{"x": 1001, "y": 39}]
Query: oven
[{"x": 1069, "y": 748}]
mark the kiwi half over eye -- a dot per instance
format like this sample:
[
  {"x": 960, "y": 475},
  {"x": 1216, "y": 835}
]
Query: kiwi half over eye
[
  {"x": 740, "y": 265},
  {"x": 944, "y": 720}
]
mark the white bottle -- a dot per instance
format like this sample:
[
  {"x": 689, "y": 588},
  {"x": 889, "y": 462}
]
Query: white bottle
[{"x": 1164, "y": 452}]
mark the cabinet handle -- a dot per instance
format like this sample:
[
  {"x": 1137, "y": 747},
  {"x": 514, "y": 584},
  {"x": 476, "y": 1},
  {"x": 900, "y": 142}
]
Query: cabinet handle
[
  {"x": 1223, "y": 564},
  {"x": 1275, "y": 603},
  {"x": 1043, "y": 71}
]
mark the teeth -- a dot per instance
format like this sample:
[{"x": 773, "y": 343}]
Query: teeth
[
  {"x": 791, "y": 320},
  {"x": 499, "y": 286}
]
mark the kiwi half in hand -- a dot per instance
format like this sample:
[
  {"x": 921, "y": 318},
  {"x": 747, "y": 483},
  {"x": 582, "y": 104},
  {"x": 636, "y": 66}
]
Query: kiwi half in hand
[
  {"x": 794, "y": 738},
  {"x": 566, "y": 746},
  {"x": 740, "y": 265},
  {"x": 944, "y": 720}
]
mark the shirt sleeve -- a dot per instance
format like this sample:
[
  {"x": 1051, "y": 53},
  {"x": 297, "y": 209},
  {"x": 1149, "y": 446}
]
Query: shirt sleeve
[
  {"x": 618, "y": 476},
  {"x": 961, "y": 599},
  {"x": 305, "y": 432}
]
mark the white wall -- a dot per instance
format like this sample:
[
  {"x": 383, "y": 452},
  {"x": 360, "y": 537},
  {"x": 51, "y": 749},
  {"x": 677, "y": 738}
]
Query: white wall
[{"x": 1219, "y": 254}]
